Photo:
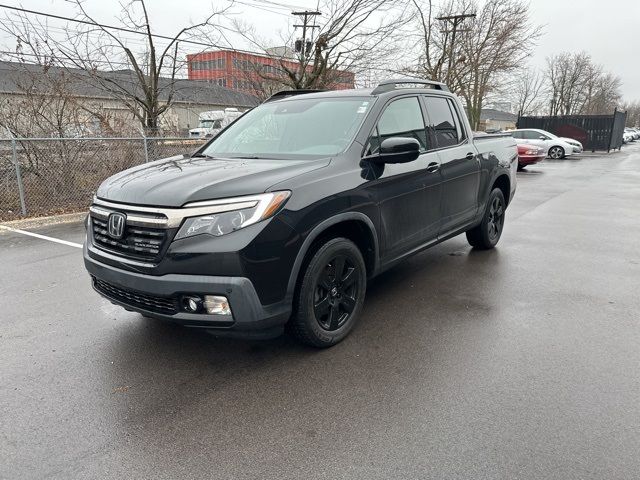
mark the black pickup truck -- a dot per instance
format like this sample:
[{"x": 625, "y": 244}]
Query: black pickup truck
[{"x": 282, "y": 219}]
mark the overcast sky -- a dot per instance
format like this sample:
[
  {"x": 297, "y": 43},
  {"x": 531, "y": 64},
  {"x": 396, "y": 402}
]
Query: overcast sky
[{"x": 608, "y": 30}]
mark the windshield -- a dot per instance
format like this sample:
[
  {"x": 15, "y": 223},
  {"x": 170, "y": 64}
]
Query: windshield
[
  {"x": 549, "y": 134},
  {"x": 293, "y": 129}
]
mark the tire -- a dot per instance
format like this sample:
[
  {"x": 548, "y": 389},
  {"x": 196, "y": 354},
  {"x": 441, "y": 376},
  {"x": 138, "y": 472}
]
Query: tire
[
  {"x": 556, "y": 152},
  {"x": 329, "y": 302},
  {"x": 486, "y": 235}
]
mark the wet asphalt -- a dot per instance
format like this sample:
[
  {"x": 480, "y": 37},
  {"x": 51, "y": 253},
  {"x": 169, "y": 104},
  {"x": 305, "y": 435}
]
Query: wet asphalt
[{"x": 518, "y": 363}]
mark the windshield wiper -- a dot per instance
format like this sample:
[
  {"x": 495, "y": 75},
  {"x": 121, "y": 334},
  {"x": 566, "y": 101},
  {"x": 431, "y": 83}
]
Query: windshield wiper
[
  {"x": 201, "y": 155},
  {"x": 248, "y": 157}
]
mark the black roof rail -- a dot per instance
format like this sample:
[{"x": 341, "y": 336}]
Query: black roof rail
[
  {"x": 289, "y": 93},
  {"x": 388, "y": 85}
]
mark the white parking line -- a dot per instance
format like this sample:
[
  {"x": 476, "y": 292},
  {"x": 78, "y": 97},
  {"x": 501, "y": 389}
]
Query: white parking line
[{"x": 42, "y": 237}]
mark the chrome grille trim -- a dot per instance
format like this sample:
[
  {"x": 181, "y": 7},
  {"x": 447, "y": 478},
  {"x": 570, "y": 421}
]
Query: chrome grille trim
[{"x": 172, "y": 217}]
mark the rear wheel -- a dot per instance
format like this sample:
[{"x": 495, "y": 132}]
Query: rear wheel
[
  {"x": 556, "y": 152},
  {"x": 331, "y": 294},
  {"x": 487, "y": 234}
]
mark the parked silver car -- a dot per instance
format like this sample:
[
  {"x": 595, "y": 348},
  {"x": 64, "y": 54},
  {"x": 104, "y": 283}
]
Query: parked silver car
[{"x": 557, "y": 147}]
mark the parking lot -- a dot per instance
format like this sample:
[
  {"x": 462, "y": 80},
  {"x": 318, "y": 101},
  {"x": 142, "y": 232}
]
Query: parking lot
[{"x": 522, "y": 362}]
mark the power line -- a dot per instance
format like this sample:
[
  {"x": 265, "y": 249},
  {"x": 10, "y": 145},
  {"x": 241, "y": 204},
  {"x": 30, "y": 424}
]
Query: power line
[
  {"x": 19, "y": 55},
  {"x": 165, "y": 37},
  {"x": 120, "y": 29},
  {"x": 264, "y": 9}
]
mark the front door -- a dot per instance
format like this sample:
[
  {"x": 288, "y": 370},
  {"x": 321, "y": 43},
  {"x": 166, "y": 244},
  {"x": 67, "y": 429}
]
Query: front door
[
  {"x": 536, "y": 138},
  {"x": 408, "y": 194}
]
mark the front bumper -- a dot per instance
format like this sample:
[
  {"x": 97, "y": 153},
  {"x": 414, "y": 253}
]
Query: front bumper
[
  {"x": 249, "y": 319},
  {"x": 529, "y": 159}
]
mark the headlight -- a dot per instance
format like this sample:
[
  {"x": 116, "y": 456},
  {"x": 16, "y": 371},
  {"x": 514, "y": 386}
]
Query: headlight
[{"x": 217, "y": 224}]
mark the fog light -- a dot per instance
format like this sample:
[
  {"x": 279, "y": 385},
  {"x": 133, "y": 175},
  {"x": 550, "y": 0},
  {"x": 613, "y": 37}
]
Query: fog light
[
  {"x": 216, "y": 305},
  {"x": 191, "y": 304}
]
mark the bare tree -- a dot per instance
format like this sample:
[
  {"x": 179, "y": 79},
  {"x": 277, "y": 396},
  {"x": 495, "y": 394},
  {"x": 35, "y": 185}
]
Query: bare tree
[
  {"x": 567, "y": 73},
  {"x": 579, "y": 86},
  {"x": 488, "y": 47},
  {"x": 353, "y": 36},
  {"x": 146, "y": 82},
  {"x": 528, "y": 92},
  {"x": 633, "y": 112}
]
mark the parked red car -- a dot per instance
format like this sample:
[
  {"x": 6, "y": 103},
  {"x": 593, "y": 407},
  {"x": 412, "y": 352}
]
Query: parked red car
[{"x": 530, "y": 154}]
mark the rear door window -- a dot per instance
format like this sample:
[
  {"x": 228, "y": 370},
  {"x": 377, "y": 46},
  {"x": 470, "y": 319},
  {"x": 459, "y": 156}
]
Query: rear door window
[{"x": 442, "y": 124}]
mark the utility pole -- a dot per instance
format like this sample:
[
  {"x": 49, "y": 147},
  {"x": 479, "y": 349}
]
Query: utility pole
[
  {"x": 454, "y": 21},
  {"x": 301, "y": 45}
]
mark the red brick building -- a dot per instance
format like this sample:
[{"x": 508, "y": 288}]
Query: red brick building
[{"x": 240, "y": 71}]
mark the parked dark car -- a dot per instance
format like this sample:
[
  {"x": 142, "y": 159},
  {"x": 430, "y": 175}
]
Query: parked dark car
[{"x": 284, "y": 216}]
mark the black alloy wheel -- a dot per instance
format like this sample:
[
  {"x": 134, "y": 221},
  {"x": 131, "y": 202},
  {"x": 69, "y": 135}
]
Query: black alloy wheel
[
  {"x": 331, "y": 294},
  {"x": 335, "y": 293},
  {"x": 496, "y": 218},
  {"x": 488, "y": 232}
]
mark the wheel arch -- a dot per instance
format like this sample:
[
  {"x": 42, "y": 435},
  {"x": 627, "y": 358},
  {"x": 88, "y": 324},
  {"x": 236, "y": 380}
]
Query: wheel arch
[
  {"x": 355, "y": 226},
  {"x": 503, "y": 182}
]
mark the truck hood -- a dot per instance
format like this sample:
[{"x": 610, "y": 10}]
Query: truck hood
[{"x": 176, "y": 181}]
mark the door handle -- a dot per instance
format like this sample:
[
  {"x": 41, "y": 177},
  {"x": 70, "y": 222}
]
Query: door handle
[
  {"x": 470, "y": 156},
  {"x": 433, "y": 167}
]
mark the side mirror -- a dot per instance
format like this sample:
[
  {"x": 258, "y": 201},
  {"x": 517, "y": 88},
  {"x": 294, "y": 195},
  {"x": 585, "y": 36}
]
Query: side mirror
[
  {"x": 396, "y": 150},
  {"x": 542, "y": 137}
]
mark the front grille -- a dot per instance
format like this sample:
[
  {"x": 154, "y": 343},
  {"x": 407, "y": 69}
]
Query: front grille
[
  {"x": 167, "y": 305},
  {"x": 138, "y": 242}
]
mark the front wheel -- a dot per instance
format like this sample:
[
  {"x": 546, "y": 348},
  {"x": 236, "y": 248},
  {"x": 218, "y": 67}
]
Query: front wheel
[
  {"x": 556, "y": 153},
  {"x": 331, "y": 294},
  {"x": 487, "y": 234}
]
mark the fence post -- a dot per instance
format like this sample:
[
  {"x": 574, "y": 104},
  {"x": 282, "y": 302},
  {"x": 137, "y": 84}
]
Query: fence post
[
  {"x": 613, "y": 124},
  {"x": 146, "y": 148},
  {"x": 16, "y": 163}
]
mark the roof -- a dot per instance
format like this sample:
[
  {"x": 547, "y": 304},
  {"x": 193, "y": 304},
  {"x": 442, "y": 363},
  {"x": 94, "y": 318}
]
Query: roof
[
  {"x": 15, "y": 76},
  {"x": 352, "y": 92},
  {"x": 493, "y": 114},
  {"x": 365, "y": 92}
]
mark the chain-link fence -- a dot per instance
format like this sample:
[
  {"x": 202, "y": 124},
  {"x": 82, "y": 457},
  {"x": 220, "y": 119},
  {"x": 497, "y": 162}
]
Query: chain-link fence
[{"x": 46, "y": 176}]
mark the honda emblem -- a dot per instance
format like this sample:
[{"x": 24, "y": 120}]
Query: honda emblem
[{"x": 115, "y": 225}]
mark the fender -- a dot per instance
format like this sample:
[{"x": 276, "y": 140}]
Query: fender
[{"x": 317, "y": 231}]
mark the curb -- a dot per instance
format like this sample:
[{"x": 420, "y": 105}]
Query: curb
[{"x": 45, "y": 221}]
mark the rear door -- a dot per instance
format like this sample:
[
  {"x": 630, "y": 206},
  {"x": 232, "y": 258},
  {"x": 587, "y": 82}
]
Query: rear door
[
  {"x": 408, "y": 193},
  {"x": 460, "y": 166}
]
